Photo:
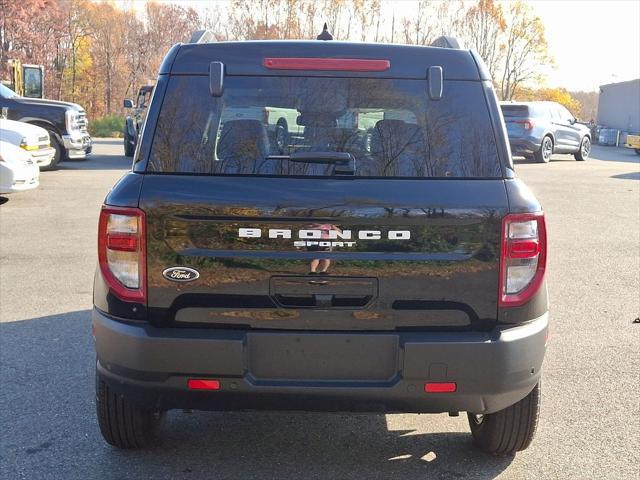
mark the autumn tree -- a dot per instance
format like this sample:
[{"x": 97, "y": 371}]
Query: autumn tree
[
  {"x": 558, "y": 95},
  {"x": 29, "y": 32},
  {"x": 367, "y": 14},
  {"x": 98, "y": 53},
  {"x": 76, "y": 32},
  {"x": 588, "y": 105},
  {"x": 419, "y": 29},
  {"x": 108, "y": 47},
  {"x": 525, "y": 49},
  {"x": 482, "y": 28}
]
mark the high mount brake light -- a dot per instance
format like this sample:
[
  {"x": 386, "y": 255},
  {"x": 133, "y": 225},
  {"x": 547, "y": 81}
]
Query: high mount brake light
[
  {"x": 523, "y": 257},
  {"x": 122, "y": 252},
  {"x": 336, "y": 64}
]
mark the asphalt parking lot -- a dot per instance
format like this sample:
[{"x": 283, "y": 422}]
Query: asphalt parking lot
[{"x": 590, "y": 420}]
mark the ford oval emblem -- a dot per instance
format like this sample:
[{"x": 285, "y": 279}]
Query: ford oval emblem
[{"x": 180, "y": 274}]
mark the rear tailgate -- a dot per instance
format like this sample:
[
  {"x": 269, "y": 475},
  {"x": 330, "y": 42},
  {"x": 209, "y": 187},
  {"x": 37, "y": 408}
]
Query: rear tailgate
[
  {"x": 515, "y": 119},
  {"x": 404, "y": 254}
]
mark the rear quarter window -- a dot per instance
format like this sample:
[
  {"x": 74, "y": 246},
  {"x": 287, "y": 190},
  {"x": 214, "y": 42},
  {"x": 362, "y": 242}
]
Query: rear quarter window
[{"x": 389, "y": 126}]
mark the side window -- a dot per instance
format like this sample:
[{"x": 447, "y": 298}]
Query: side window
[{"x": 565, "y": 114}]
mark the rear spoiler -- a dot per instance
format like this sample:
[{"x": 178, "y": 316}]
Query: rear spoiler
[
  {"x": 447, "y": 42},
  {"x": 202, "y": 36}
]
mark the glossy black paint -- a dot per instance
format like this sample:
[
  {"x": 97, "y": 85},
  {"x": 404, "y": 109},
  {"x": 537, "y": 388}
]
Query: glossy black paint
[
  {"x": 126, "y": 191},
  {"x": 445, "y": 276},
  {"x": 49, "y": 114},
  {"x": 183, "y": 212},
  {"x": 521, "y": 198},
  {"x": 389, "y": 315}
]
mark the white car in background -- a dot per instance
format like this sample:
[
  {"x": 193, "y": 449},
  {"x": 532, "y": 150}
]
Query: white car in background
[
  {"x": 31, "y": 138},
  {"x": 18, "y": 171}
]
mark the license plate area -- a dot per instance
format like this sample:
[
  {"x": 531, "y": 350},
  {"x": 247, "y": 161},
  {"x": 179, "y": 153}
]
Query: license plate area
[{"x": 330, "y": 357}]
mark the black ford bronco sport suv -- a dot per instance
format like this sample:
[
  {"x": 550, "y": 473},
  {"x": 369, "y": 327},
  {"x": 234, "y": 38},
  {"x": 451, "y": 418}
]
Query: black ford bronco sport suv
[{"x": 386, "y": 260}]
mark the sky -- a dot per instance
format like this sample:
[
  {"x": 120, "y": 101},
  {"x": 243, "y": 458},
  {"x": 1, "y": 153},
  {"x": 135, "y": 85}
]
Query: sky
[{"x": 593, "y": 42}]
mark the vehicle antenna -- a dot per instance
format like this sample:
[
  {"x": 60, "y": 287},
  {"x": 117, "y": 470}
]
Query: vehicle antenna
[{"x": 325, "y": 35}]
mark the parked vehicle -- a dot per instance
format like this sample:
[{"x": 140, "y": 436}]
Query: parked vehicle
[
  {"x": 18, "y": 172},
  {"x": 65, "y": 122},
  {"x": 281, "y": 124},
  {"x": 408, "y": 277},
  {"x": 133, "y": 123},
  {"x": 540, "y": 129},
  {"x": 31, "y": 138},
  {"x": 633, "y": 141}
]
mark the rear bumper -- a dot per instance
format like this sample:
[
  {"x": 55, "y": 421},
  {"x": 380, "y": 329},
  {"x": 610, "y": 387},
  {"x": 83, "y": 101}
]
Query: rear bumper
[
  {"x": 524, "y": 146},
  {"x": 150, "y": 365}
]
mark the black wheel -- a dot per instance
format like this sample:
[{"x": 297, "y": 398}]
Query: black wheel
[
  {"x": 122, "y": 423},
  {"x": 510, "y": 430},
  {"x": 585, "y": 149},
  {"x": 546, "y": 150},
  {"x": 59, "y": 155},
  {"x": 637, "y": 150},
  {"x": 282, "y": 135},
  {"x": 129, "y": 147}
]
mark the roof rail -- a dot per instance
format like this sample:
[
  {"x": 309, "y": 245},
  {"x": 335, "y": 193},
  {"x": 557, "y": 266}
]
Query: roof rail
[
  {"x": 202, "y": 36},
  {"x": 447, "y": 42}
]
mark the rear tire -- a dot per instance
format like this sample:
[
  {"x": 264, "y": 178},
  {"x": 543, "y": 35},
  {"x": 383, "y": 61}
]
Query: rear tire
[
  {"x": 510, "y": 430},
  {"x": 585, "y": 149},
  {"x": 543, "y": 155},
  {"x": 122, "y": 423},
  {"x": 59, "y": 155}
]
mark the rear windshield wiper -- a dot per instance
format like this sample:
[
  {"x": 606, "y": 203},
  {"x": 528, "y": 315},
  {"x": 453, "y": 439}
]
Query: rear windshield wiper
[{"x": 345, "y": 162}]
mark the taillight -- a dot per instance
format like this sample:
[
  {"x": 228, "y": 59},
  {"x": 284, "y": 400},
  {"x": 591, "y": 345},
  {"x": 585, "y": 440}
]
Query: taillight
[
  {"x": 523, "y": 257},
  {"x": 526, "y": 124},
  {"x": 122, "y": 253}
]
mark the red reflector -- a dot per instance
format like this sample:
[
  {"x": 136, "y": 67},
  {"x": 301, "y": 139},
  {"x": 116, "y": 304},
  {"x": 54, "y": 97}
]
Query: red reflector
[
  {"x": 200, "y": 384},
  {"x": 349, "y": 64},
  {"x": 523, "y": 248},
  {"x": 440, "y": 387},
  {"x": 122, "y": 242}
]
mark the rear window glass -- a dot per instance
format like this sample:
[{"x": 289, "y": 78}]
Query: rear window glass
[
  {"x": 388, "y": 126},
  {"x": 515, "y": 110}
]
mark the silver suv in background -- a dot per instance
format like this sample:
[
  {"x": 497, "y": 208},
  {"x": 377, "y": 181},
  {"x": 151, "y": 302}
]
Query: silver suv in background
[{"x": 539, "y": 129}]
